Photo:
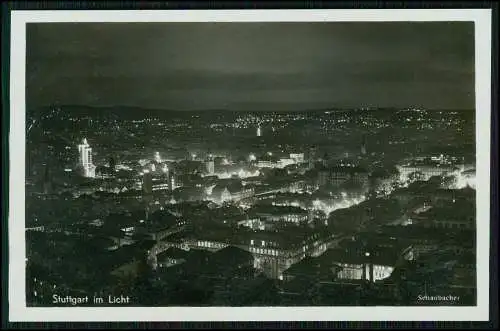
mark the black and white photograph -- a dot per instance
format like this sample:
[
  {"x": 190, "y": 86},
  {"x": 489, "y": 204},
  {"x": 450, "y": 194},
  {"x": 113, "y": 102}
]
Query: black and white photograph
[{"x": 313, "y": 162}]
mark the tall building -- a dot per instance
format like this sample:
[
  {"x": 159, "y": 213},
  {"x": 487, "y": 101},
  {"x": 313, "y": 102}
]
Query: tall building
[
  {"x": 259, "y": 131},
  {"x": 85, "y": 160}
]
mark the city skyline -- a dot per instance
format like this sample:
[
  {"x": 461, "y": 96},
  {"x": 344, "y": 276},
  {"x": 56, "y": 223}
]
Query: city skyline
[{"x": 252, "y": 66}]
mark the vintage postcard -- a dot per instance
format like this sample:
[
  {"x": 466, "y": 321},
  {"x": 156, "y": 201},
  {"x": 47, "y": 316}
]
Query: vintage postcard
[{"x": 254, "y": 165}]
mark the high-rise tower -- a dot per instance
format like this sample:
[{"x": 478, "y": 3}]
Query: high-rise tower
[{"x": 85, "y": 160}]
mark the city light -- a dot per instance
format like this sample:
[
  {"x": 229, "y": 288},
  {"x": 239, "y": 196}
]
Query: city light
[
  {"x": 240, "y": 174},
  {"x": 157, "y": 157},
  {"x": 345, "y": 202}
]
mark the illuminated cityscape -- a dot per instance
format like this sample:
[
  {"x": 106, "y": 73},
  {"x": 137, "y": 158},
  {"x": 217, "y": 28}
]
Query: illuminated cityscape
[
  {"x": 194, "y": 201},
  {"x": 256, "y": 206}
]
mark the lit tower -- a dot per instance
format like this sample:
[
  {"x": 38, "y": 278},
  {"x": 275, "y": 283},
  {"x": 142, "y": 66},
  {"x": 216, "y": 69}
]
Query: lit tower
[
  {"x": 259, "y": 131},
  {"x": 85, "y": 161}
]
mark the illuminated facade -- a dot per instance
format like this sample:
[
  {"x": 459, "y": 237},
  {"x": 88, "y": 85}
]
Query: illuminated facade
[
  {"x": 295, "y": 218},
  {"x": 210, "y": 166},
  {"x": 273, "y": 257},
  {"x": 427, "y": 171},
  {"x": 265, "y": 164},
  {"x": 364, "y": 271},
  {"x": 297, "y": 157},
  {"x": 85, "y": 160}
]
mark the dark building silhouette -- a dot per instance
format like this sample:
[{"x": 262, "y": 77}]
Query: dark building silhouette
[
  {"x": 147, "y": 183},
  {"x": 112, "y": 164}
]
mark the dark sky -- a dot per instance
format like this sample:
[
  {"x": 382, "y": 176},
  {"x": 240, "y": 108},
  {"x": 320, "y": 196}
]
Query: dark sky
[{"x": 251, "y": 66}]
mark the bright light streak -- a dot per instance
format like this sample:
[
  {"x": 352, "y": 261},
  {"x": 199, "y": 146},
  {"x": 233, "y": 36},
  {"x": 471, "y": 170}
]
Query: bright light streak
[
  {"x": 327, "y": 208},
  {"x": 241, "y": 174}
]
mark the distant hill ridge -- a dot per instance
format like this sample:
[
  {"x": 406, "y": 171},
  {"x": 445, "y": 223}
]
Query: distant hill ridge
[{"x": 133, "y": 111}]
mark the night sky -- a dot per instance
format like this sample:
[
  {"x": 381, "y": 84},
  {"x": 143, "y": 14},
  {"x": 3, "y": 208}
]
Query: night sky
[{"x": 251, "y": 66}]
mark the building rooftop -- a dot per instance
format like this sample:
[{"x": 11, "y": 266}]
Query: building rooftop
[
  {"x": 313, "y": 267},
  {"x": 276, "y": 210}
]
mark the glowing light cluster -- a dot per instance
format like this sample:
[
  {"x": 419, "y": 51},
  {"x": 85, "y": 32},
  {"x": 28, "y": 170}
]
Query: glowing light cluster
[
  {"x": 241, "y": 174},
  {"x": 346, "y": 202},
  {"x": 123, "y": 167},
  {"x": 463, "y": 180}
]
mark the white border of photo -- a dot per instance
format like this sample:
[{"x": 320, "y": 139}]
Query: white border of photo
[{"x": 18, "y": 311}]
